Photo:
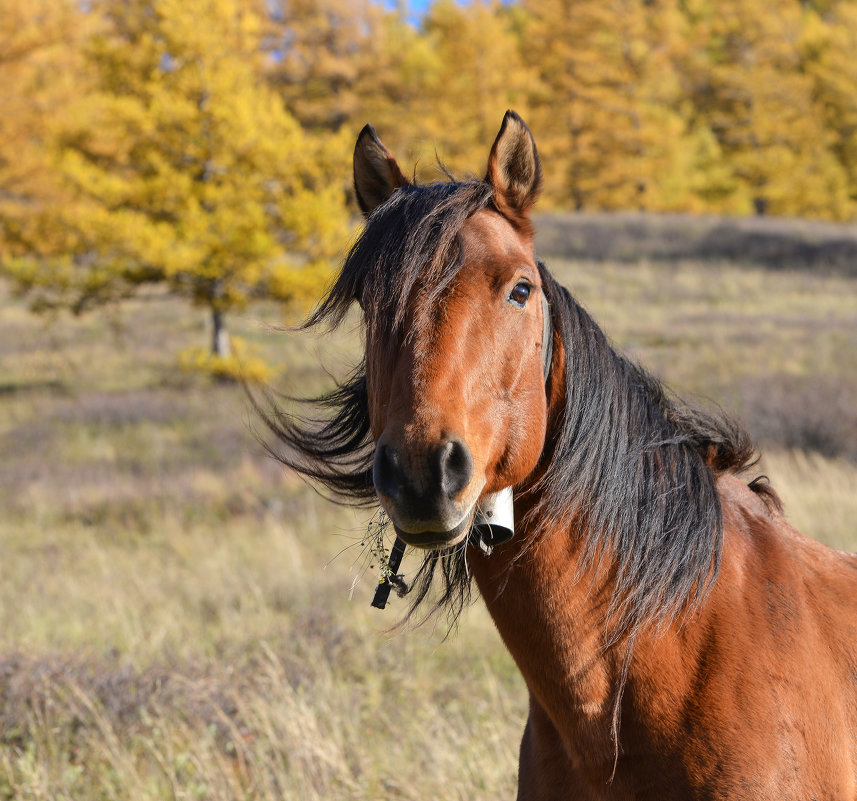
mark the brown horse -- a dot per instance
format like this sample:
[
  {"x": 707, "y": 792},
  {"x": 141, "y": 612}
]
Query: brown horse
[{"x": 678, "y": 638}]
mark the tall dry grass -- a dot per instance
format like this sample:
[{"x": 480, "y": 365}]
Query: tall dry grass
[{"x": 181, "y": 620}]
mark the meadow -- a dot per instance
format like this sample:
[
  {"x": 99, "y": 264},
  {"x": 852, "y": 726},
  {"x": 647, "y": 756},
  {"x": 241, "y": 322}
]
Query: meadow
[{"x": 180, "y": 619}]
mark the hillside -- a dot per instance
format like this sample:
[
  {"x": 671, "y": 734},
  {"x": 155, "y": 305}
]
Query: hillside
[{"x": 777, "y": 243}]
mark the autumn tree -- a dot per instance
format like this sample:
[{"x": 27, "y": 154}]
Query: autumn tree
[
  {"x": 189, "y": 172},
  {"x": 339, "y": 64},
  {"x": 321, "y": 52},
  {"x": 436, "y": 88},
  {"x": 395, "y": 96},
  {"x": 477, "y": 73},
  {"x": 445, "y": 85},
  {"x": 607, "y": 104}
]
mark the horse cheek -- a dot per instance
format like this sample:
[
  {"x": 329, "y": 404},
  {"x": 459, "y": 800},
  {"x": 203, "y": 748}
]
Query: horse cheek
[
  {"x": 527, "y": 424},
  {"x": 535, "y": 415}
]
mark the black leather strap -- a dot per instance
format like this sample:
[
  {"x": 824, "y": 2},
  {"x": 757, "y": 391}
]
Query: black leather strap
[
  {"x": 382, "y": 591},
  {"x": 547, "y": 337}
]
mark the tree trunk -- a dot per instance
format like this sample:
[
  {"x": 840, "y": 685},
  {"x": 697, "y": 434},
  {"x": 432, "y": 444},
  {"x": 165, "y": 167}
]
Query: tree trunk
[{"x": 220, "y": 345}]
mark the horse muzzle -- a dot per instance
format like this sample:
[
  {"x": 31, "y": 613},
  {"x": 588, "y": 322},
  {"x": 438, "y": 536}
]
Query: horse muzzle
[
  {"x": 429, "y": 540},
  {"x": 431, "y": 496}
]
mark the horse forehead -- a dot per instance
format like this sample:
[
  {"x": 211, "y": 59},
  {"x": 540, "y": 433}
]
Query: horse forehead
[{"x": 488, "y": 238}]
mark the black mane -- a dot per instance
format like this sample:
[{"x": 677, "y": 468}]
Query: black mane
[
  {"x": 628, "y": 464},
  {"x": 634, "y": 466}
]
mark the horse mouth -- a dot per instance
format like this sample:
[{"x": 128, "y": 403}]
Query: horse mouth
[{"x": 431, "y": 540}]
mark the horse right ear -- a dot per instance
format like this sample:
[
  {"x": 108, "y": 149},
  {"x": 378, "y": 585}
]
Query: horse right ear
[
  {"x": 376, "y": 174},
  {"x": 514, "y": 169}
]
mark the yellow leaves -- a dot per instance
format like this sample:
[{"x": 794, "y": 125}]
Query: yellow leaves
[
  {"x": 477, "y": 75},
  {"x": 39, "y": 78},
  {"x": 297, "y": 284},
  {"x": 610, "y": 103},
  {"x": 243, "y": 364},
  {"x": 693, "y": 105},
  {"x": 749, "y": 86},
  {"x": 207, "y": 143},
  {"x": 322, "y": 50},
  {"x": 198, "y": 176},
  {"x": 178, "y": 164},
  {"x": 828, "y": 46}
]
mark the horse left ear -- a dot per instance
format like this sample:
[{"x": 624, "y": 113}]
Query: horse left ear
[
  {"x": 376, "y": 173},
  {"x": 514, "y": 169}
]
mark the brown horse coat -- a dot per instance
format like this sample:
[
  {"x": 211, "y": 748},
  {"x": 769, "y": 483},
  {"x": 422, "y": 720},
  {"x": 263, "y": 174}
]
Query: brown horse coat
[{"x": 753, "y": 697}]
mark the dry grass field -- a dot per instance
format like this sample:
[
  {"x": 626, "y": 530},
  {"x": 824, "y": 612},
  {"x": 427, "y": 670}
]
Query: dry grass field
[{"x": 181, "y": 620}]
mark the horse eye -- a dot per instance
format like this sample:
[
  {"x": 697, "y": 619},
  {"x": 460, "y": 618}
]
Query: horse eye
[{"x": 520, "y": 294}]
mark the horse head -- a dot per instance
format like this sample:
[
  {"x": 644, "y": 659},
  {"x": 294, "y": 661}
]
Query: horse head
[{"x": 455, "y": 370}]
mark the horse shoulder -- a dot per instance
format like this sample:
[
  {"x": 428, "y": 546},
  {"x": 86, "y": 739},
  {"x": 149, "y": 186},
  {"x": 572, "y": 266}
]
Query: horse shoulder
[
  {"x": 765, "y": 673},
  {"x": 799, "y": 577}
]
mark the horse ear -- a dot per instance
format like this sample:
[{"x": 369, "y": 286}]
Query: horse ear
[
  {"x": 376, "y": 174},
  {"x": 514, "y": 169}
]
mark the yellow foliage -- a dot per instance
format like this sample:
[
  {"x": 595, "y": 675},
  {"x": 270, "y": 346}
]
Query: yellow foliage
[
  {"x": 440, "y": 89},
  {"x": 747, "y": 84},
  {"x": 206, "y": 144},
  {"x": 609, "y": 109},
  {"x": 187, "y": 169},
  {"x": 828, "y": 46},
  {"x": 243, "y": 364},
  {"x": 478, "y": 73},
  {"x": 41, "y": 73},
  {"x": 323, "y": 52}
]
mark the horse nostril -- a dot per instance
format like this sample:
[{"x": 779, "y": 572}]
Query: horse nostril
[
  {"x": 456, "y": 467},
  {"x": 386, "y": 471}
]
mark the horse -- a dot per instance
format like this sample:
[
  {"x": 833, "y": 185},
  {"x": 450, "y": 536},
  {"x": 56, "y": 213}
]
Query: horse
[{"x": 678, "y": 638}]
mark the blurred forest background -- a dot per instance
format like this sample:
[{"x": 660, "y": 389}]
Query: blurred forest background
[
  {"x": 179, "y": 617},
  {"x": 205, "y": 146}
]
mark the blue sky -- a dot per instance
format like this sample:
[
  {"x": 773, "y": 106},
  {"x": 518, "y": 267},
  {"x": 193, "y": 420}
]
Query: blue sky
[{"x": 416, "y": 8}]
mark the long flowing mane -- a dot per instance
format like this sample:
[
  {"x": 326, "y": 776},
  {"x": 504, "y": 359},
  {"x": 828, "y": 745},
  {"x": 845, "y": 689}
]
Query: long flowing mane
[
  {"x": 633, "y": 467},
  {"x": 628, "y": 464}
]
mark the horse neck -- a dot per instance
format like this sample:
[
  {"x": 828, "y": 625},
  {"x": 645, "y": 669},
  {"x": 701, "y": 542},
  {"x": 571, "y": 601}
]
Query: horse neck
[
  {"x": 551, "y": 618},
  {"x": 550, "y": 610}
]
